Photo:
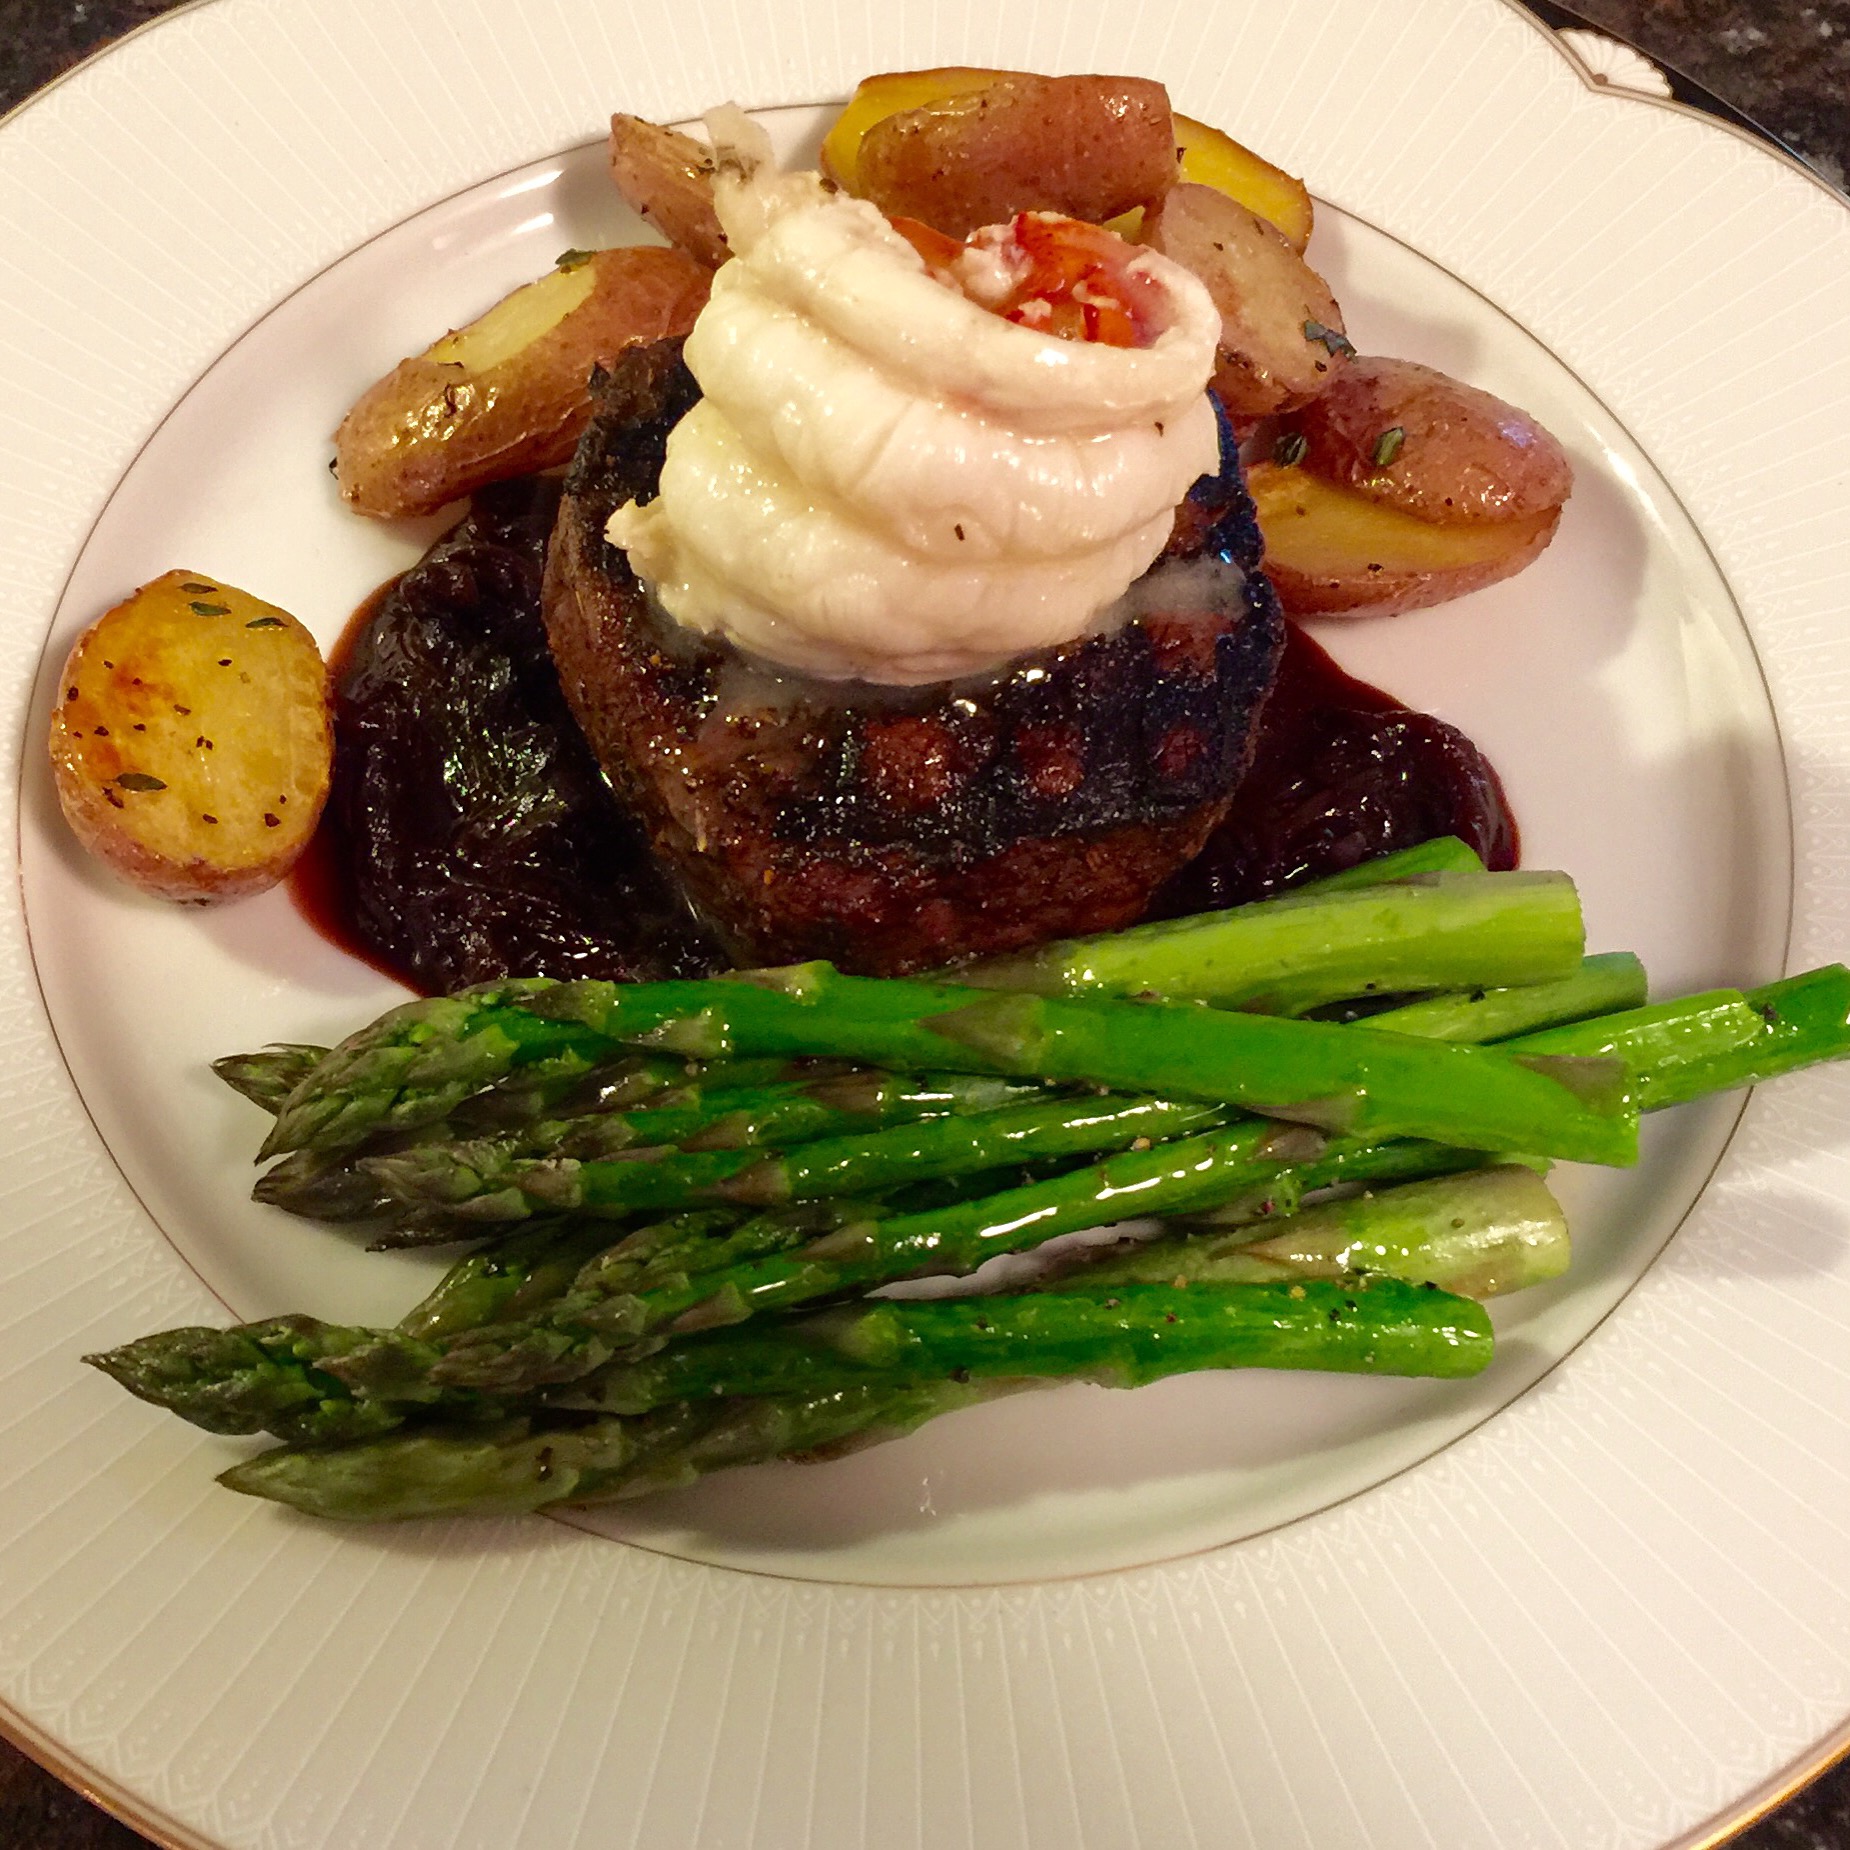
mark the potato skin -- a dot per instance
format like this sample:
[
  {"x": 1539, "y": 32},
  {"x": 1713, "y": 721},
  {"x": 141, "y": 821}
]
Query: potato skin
[
  {"x": 1463, "y": 456},
  {"x": 1090, "y": 147},
  {"x": 1268, "y": 296},
  {"x": 191, "y": 743},
  {"x": 667, "y": 177},
  {"x": 1334, "y": 552},
  {"x": 435, "y": 429}
]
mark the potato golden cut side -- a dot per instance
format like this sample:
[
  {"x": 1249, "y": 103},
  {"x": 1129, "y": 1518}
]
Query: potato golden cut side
[
  {"x": 1400, "y": 487},
  {"x": 1331, "y": 551},
  {"x": 1282, "y": 340},
  {"x": 509, "y": 393},
  {"x": 667, "y": 179},
  {"x": 1432, "y": 446},
  {"x": 191, "y": 742},
  {"x": 1090, "y": 147}
]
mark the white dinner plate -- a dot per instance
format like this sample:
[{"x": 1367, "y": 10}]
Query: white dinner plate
[{"x": 1594, "y": 1597}]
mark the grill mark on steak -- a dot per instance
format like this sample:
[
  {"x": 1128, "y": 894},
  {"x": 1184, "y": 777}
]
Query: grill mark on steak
[{"x": 891, "y": 829}]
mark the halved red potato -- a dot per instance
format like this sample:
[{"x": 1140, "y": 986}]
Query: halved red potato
[
  {"x": 876, "y": 98},
  {"x": 1432, "y": 446},
  {"x": 191, "y": 743},
  {"x": 1282, "y": 339},
  {"x": 1334, "y": 551},
  {"x": 667, "y": 177},
  {"x": 508, "y": 394},
  {"x": 1207, "y": 155},
  {"x": 1087, "y": 147}
]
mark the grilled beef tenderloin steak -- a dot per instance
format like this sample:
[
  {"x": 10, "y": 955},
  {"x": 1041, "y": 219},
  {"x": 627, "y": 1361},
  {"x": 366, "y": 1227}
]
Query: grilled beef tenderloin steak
[{"x": 893, "y": 829}]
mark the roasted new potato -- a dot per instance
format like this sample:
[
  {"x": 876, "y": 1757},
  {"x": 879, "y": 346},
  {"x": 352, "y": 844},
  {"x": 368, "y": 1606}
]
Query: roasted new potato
[
  {"x": 667, "y": 177},
  {"x": 191, "y": 742},
  {"x": 508, "y": 394},
  {"x": 1460, "y": 455},
  {"x": 1090, "y": 147},
  {"x": 1206, "y": 154},
  {"x": 1282, "y": 339},
  {"x": 1399, "y": 488}
]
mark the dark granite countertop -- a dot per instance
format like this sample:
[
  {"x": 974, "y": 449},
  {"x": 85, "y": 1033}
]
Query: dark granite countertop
[{"x": 1783, "y": 63}]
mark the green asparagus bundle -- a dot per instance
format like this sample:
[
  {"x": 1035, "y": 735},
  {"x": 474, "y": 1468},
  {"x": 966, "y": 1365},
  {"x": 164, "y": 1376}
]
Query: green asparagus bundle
[
  {"x": 417, "y": 1063},
  {"x": 588, "y": 1356},
  {"x": 553, "y": 1166},
  {"x": 1498, "y": 1227},
  {"x": 1231, "y": 1165}
]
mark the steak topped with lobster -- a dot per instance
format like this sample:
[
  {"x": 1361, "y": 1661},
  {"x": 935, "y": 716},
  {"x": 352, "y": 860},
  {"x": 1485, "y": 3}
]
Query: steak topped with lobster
[{"x": 894, "y": 828}]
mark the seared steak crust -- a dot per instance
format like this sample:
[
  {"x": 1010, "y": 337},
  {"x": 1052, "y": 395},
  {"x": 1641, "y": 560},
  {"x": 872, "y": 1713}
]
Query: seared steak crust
[{"x": 891, "y": 829}]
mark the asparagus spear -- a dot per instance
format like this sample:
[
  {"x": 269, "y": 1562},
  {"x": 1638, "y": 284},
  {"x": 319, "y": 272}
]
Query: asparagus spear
[
  {"x": 525, "y": 1272},
  {"x": 526, "y": 1464},
  {"x": 1603, "y": 984},
  {"x": 1286, "y": 955},
  {"x": 722, "y": 1106},
  {"x": 418, "y": 1062},
  {"x": 268, "y": 1077},
  {"x": 884, "y": 1362},
  {"x": 1124, "y": 1334},
  {"x": 450, "y": 1178},
  {"x": 273, "y": 1376},
  {"x": 1444, "y": 854},
  {"x": 1799, "y": 1021},
  {"x": 1348, "y": 1079},
  {"x": 1481, "y": 1234},
  {"x": 445, "y": 1175},
  {"x": 722, "y": 1135},
  {"x": 532, "y": 1313},
  {"x": 1494, "y": 1230}
]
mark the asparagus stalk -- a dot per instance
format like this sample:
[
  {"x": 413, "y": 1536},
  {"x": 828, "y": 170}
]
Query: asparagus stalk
[
  {"x": 1799, "y": 1021},
  {"x": 1444, "y": 854},
  {"x": 886, "y": 1362},
  {"x": 499, "y": 1325},
  {"x": 1124, "y": 1334},
  {"x": 526, "y": 1464},
  {"x": 417, "y": 1063},
  {"x": 1603, "y": 984},
  {"x": 1481, "y": 1234},
  {"x": 1286, "y": 955},
  {"x": 1494, "y": 1230},
  {"x": 1346, "y": 1079},
  {"x": 721, "y": 1136},
  {"x": 452, "y": 1179},
  {"x": 689, "y": 1271}
]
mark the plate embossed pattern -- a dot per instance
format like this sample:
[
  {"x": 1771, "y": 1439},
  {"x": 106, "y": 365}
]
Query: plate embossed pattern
[{"x": 1596, "y": 1621}]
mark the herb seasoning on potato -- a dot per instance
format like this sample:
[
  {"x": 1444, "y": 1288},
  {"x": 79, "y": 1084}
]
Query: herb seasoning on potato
[{"x": 191, "y": 742}]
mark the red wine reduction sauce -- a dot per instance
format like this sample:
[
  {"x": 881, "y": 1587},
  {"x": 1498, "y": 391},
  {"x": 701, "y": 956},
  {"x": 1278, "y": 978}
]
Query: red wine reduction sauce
[
  {"x": 1342, "y": 773},
  {"x": 469, "y": 834}
]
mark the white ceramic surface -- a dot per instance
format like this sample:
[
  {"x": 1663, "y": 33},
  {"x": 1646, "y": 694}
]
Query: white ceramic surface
[{"x": 1599, "y": 1617}]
